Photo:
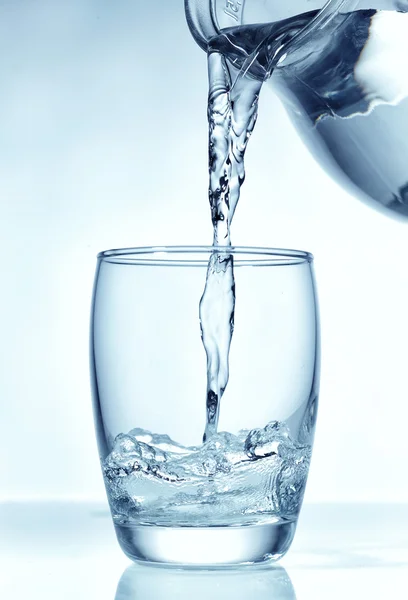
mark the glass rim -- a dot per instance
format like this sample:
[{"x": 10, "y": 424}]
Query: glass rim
[{"x": 188, "y": 255}]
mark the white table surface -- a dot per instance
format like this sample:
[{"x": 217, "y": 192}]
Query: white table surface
[{"x": 67, "y": 551}]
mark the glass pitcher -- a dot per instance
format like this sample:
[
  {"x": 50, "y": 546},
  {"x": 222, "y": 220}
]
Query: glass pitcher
[{"x": 340, "y": 69}]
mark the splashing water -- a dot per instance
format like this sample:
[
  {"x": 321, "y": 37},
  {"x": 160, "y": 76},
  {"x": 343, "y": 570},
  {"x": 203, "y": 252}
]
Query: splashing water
[{"x": 231, "y": 479}]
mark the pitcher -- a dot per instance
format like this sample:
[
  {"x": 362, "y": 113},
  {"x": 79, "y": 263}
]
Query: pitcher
[{"x": 341, "y": 72}]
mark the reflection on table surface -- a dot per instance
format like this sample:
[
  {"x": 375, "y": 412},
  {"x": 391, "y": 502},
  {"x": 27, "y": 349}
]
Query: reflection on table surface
[
  {"x": 69, "y": 551},
  {"x": 269, "y": 583}
]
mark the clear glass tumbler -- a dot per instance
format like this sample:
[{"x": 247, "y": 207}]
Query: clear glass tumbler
[{"x": 234, "y": 499}]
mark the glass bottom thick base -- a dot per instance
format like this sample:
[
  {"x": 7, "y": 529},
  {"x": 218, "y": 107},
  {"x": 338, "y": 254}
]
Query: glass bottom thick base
[{"x": 206, "y": 547}]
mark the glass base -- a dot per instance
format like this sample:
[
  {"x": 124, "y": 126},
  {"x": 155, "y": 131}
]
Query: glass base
[{"x": 206, "y": 546}]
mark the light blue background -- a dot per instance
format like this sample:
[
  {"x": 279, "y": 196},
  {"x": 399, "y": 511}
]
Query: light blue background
[{"x": 103, "y": 144}]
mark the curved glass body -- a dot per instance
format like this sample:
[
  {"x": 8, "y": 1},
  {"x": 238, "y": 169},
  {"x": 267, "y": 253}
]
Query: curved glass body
[
  {"x": 235, "y": 498},
  {"x": 340, "y": 71}
]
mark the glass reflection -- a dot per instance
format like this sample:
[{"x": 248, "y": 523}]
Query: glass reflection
[{"x": 142, "y": 582}]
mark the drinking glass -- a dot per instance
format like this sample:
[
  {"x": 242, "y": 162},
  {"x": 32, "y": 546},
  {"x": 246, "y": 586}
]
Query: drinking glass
[{"x": 234, "y": 499}]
